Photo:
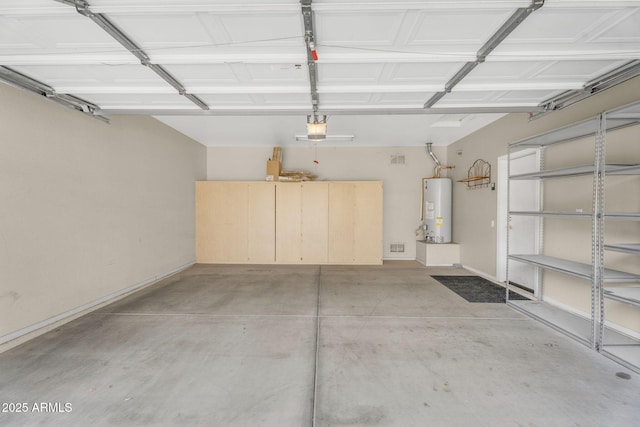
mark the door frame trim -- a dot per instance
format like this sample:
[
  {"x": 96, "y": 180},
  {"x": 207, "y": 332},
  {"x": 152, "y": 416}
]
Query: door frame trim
[{"x": 502, "y": 209}]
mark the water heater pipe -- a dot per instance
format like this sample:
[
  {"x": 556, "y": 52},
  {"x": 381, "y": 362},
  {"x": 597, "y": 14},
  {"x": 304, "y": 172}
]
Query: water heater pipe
[{"x": 439, "y": 166}]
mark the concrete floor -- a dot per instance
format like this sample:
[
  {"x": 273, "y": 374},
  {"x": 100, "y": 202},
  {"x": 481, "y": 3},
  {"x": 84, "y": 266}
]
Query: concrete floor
[{"x": 306, "y": 345}]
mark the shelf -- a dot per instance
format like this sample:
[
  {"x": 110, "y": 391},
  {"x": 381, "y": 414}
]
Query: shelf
[
  {"x": 577, "y": 269},
  {"x": 626, "y": 295},
  {"x": 618, "y": 347},
  {"x": 622, "y": 169},
  {"x": 630, "y": 248},
  {"x": 627, "y": 355},
  {"x": 610, "y": 169},
  {"x": 570, "y": 324},
  {"x": 621, "y": 342},
  {"x": 578, "y": 130},
  {"x": 622, "y": 216},
  {"x": 473, "y": 178},
  {"x": 627, "y": 112},
  {"x": 612, "y": 216},
  {"x": 586, "y": 215},
  {"x": 565, "y": 134}
]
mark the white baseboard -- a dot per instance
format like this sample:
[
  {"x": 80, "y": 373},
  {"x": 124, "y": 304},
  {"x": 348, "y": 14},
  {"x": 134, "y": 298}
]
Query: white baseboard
[
  {"x": 18, "y": 337},
  {"x": 482, "y": 274}
]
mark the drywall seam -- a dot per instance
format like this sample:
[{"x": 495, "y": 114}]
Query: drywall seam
[{"x": 62, "y": 318}]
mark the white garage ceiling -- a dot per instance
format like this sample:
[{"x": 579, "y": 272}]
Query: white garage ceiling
[{"x": 388, "y": 72}]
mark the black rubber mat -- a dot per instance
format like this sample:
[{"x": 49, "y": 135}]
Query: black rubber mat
[{"x": 477, "y": 289}]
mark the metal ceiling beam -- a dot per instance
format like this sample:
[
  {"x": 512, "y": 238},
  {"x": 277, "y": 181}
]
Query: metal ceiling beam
[
  {"x": 83, "y": 8},
  {"x": 330, "y": 111},
  {"x": 309, "y": 37},
  {"x": 19, "y": 80},
  {"x": 619, "y": 75},
  {"x": 503, "y": 32}
]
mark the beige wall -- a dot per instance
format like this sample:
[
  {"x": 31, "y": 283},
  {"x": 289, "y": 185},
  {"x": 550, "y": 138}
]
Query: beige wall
[
  {"x": 402, "y": 183},
  {"x": 87, "y": 209}
]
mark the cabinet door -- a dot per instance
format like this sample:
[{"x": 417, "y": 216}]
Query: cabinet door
[
  {"x": 231, "y": 222},
  {"x": 221, "y": 222},
  {"x": 341, "y": 223},
  {"x": 288, "y": 223},
  {"x": 205, "y": 228},
  {"x": 261, "y": 223},
  {"x": 355, "y": 222},
  {"x": 301, "y": 223},
  {"x": 368, "y": 223},
  {"x": 315, "y": 223}
]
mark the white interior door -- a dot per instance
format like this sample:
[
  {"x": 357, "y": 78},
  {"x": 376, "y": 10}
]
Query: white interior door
[{"x": 524, "y": 231}]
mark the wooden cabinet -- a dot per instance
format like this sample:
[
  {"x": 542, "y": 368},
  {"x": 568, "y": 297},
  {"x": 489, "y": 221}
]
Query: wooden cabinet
[
  {"x": 289, "y": 223},
  {"x": 301, "y": 223},
  {"x": 355, "y": 222},
  {"x": 261, "y": 221},
  {"x": 315, "y": 223},
  {"x": 341, "y": 223},
  {"x": 235, "y": 222}
]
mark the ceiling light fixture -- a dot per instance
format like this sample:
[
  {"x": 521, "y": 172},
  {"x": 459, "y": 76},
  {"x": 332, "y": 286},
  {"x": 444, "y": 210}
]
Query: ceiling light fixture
[
  {"x": 316, "y": 128},
  {"x": 327, "y": 138}
]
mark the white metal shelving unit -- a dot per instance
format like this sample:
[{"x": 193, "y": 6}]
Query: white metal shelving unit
[
  {"x": 621, "y": 348},
  {"x": 605, "y": 283}
]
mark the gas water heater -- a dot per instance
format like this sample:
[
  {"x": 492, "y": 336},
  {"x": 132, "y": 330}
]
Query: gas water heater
[{"x": 437, "y": 210}]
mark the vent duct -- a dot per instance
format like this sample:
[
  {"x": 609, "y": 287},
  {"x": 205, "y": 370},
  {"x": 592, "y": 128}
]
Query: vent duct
[
  {"x": 397, "y": 159},
  {"x": 397, "y": 247},
  {"x": 439, "y": 166}
]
